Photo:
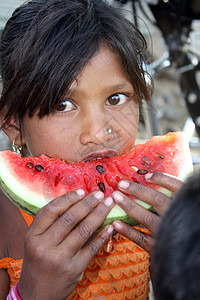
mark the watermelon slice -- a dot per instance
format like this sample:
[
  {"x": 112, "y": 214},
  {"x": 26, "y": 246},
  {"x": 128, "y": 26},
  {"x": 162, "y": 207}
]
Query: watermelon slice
[{"x": 31, "y": 182}]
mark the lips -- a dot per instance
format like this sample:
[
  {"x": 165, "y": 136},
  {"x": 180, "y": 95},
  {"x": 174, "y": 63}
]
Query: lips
[{"x": 99, "y": 155}]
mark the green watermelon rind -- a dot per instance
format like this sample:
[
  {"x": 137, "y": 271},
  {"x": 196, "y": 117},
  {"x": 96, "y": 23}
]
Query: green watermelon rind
[
  {"x": 14, "y": 190},
  {"x": 18, "y": 201}
]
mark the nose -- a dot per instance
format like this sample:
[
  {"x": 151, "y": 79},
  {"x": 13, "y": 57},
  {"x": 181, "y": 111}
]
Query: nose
[{"x": 96, "y": 128}]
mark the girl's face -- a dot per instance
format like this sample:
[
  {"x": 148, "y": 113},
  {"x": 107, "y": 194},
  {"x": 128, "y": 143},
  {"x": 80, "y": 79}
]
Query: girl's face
[{"x": 98, "y": 119}]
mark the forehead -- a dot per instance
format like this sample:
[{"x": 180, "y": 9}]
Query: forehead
[{"x": 103, "y": 71}]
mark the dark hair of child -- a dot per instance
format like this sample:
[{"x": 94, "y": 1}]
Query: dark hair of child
[
  {"x": 44, "y": 47},
  {"x": 177, "y": 252}
]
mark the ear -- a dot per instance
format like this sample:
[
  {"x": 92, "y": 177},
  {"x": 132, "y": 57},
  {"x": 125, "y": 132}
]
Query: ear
[{"x": 12, "y": 129}]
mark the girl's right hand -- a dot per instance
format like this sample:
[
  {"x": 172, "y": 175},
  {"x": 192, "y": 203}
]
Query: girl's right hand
[{"x": 59, "y": 244}]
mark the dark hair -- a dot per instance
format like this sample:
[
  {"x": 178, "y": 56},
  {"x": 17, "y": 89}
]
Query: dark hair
[
  {"x": 46, "y": 44},
  {"x": 177, "y": 251}
]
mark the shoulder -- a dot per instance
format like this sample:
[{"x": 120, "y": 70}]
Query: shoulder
[{"x": 12, "y": 228}]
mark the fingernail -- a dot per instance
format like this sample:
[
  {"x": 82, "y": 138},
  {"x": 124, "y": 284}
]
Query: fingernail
[
  {"x": 148, "y": 176},
  {"x": 99, "y": 195},
  {"x": 117, "y": 225},
  {"x": 118, "y": 197},
  {"x": 110, "y": 229},
  {"x": 80, "y": 192},
  {"x": 108, "y": 201},
  {"x": 124, "y": 184}
]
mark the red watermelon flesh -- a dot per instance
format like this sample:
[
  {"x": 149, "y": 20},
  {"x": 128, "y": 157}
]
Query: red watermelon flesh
[{"x": 31, "y": 182}]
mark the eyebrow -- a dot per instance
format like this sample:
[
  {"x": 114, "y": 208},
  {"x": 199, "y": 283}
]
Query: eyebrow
[
  {"x": 121, "y": 85},
  {"x": 110, "y": 89}
]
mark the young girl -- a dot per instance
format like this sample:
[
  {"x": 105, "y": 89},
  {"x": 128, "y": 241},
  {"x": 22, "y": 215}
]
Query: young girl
[{"x": 73, "y": 78}]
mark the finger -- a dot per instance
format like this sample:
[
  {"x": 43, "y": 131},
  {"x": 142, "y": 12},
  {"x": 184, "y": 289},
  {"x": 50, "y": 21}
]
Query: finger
[
  {"x": 51, "y": 212},
  {"x": 80, "y": 235},
  {"x": 167, "y": 181},
  {"x": 93, "y": 247},
  {"x": 142, "y": 239},
  {"x": 71, "y": 217},
  {"x": 137, "y": 212},
  {"x": 159, "y": 201}
]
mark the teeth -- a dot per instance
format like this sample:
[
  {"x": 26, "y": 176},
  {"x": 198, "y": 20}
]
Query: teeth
[{"x": 93, "y": 159}]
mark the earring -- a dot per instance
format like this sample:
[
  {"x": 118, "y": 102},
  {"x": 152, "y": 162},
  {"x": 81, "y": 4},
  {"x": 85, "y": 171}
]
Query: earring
[
  {"x": 109, "y": 131},
  {"x": 16, "y": 149}
]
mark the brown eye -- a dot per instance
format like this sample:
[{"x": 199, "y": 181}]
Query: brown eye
[
  {"x": 117, "y": 99},
  {"x": 65, "y": 106}
]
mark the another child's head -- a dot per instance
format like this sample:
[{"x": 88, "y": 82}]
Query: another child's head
[
  {"x": 177, "y": 254},
  {"x": 72, "y": 71}
]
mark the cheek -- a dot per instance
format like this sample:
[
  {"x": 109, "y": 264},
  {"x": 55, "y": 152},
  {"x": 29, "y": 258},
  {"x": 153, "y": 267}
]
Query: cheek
[
  {"x": 127, "y": 125},
  {"x": 36, "y": 139},
  {"x": 129, "y": 120},
  {"x": 39, "y": 137},
  {"x": 49, "y": 137}
]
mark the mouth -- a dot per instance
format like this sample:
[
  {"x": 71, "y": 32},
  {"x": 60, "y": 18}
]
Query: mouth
[{"x": 99, "y": 155}]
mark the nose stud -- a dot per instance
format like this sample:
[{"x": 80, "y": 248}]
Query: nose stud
[{"x": 109, "y": 130}]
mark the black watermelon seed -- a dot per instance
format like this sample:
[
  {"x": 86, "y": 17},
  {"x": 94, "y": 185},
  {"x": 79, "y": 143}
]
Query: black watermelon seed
[
  {"x": 101, "y": 186},
  {"x": 30, "y": 165},
  {"x": 39, "y": 168},
  {"x": 160, "y": 155},
  {"x": 146, "y": 160},
  {"x": 100, "y": 169},
  {"x": 142, "y": 171}
]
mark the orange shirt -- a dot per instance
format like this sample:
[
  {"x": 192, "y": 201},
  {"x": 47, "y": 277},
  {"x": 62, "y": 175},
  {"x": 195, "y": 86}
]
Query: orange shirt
[{"x": 119, "y": 271}]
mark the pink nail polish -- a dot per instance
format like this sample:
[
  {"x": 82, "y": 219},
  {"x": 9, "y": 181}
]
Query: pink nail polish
[
  {"x": 118, "y": 197},
  {"x": 80, "y": 192},
  {"x": 148, "y": 176},
  {"x": 108, "y": 201},
  {"x": 117, "y": 225},
  {"x": 110, "y": 229},
  {"x": 99, "y": 195},
  {"x": 124, "y": 184}
]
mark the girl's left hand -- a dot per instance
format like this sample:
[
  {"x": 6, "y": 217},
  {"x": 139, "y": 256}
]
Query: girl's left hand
[{"x": 150, "y": 220}]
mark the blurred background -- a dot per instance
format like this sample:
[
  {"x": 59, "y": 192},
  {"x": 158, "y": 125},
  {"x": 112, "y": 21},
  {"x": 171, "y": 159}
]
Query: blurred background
[
  {"x": 6, "y": 9},
  {"x": 172, "y": 31}
]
